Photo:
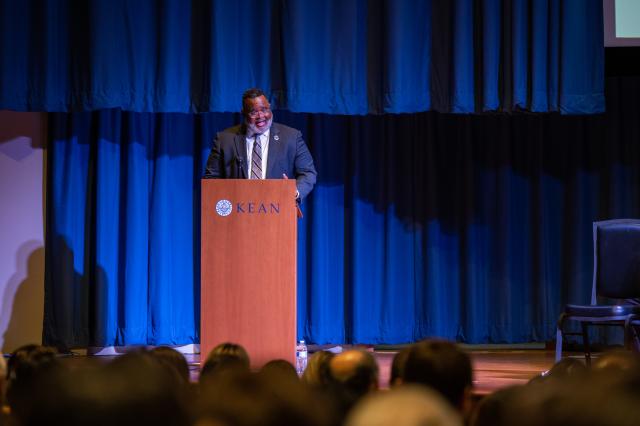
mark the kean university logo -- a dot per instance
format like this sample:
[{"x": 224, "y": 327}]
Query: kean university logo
[{"x": 224, "y": 207}]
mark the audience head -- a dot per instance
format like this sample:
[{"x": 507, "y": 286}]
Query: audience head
[
  {"x": 225, "y": 359},
  {"x": 133, "y": 388},
  {"x": 492, "y": 409},
  {"x": 563, "y": 369},
  {"x": 354, "y": 373},
  {"x": 568, "y": 367},
  {"x": 574, "y": 401},
  {"x": 442, "y": 366},
  {"x": 618, "y": 361},
  {"x": 404, "y": 406},
  {"x": 220, "y": 366},
  {"x": 28, "y": 360},
  {"x": 172, "y": 359},
  {"x": 260, "y": 400},
  {"x": 232, "y": 350},
  {"x": 620, "y": 371},
  {"x": 355, "y": 370},
  {"x": 317, "y": 372},
  {"x": 24, "y": 368},
  {"x": 397, "y": 367},
  {"x": 279, "y": 369}
]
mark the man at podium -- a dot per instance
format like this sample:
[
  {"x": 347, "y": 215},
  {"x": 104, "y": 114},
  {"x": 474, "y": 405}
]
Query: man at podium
[{"x": 261, "y": 149}]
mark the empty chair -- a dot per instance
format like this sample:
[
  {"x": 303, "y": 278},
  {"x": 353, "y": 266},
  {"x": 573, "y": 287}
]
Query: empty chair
[{"x": 616, "y": 275}]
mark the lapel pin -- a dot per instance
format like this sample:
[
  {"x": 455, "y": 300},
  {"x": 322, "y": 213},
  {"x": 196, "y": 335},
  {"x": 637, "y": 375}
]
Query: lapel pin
[{"x": 276, "y": 138}]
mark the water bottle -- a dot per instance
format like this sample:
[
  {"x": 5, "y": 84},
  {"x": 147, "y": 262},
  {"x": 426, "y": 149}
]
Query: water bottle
[{"x": 301, "y": 357}]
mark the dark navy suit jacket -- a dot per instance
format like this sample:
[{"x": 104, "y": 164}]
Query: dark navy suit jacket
[{"x": 288, "y": 154}]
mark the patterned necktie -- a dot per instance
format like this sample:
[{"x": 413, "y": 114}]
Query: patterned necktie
[{"x": 256, "y": 160}]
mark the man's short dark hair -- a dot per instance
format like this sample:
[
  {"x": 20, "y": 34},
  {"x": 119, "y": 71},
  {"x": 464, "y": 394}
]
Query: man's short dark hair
[
  {"x": 252, "y": 94},
  {"x": 440, "y": 365}
]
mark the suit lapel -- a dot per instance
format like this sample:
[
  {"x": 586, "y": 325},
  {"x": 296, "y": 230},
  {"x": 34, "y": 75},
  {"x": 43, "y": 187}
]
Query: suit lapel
[
  {"x": 275, "y": 151},
  {"x": 241, "y": 152}
]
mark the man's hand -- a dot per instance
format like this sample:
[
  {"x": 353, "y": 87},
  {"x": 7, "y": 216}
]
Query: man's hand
[
  {"x": 298, "y": 211},
  {"x": 284, "y": 176}
]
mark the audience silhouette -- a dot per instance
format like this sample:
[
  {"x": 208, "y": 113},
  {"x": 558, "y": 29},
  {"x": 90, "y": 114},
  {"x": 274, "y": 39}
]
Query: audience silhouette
[{"x": 430, "y": 384}]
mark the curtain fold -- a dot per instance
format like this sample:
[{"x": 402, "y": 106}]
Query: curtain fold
[
  {"x": 469, "y": 227},
  {"x": 123, "y": 226},
  {"x": 338, "y": 57}
]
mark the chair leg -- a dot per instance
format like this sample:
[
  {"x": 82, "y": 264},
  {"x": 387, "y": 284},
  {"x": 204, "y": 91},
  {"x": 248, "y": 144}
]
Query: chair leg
[
  {"x": 559, "y": 332},
  {"x": 631, "y": 334},
  {"x": 585, "y": 342},
  {"x": 636, "y": 338},
  {"x": 627, "y": 333}
]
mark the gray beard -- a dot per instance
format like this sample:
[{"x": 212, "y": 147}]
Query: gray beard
[{"x": 252, "y": 130}]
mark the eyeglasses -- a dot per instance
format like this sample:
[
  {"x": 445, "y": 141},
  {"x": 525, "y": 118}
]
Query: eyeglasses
[{"x": 256, "y": 112}]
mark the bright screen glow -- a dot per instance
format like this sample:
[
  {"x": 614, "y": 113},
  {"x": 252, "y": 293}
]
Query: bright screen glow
[
  {"x": 628, "y": 18},
  {"x": 621, "y": 22}
]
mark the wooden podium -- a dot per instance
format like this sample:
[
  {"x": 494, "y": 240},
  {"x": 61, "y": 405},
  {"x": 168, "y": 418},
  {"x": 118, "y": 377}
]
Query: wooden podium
[{"x": 248, "y": 268}]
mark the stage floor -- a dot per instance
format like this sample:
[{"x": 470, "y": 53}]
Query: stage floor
[{"x": 493, "y": 369}]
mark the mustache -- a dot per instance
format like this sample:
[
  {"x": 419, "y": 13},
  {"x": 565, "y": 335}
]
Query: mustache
[{"x": 253, "y": 130}]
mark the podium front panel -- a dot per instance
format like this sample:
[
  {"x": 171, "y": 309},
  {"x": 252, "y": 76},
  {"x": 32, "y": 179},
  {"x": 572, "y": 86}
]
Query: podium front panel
[{"x": 248, "y": 267}]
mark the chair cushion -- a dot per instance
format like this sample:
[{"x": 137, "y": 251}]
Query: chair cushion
[{"x": 602, "y": 310}]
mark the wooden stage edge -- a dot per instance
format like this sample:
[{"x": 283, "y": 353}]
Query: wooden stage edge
[{"x": 493, "y": 369}]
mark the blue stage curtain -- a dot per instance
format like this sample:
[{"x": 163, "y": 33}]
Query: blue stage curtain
[
  {"x": 469, "y": 227},
  {"x": 123, "y": 245},
  {"x": 332, "y": 56}
]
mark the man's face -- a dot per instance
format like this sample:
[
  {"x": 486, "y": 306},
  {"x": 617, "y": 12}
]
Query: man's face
[{"x": 257, "y": 114}]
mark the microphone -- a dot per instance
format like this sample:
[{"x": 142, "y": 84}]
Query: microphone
[{"x": 239, "y": 163}]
